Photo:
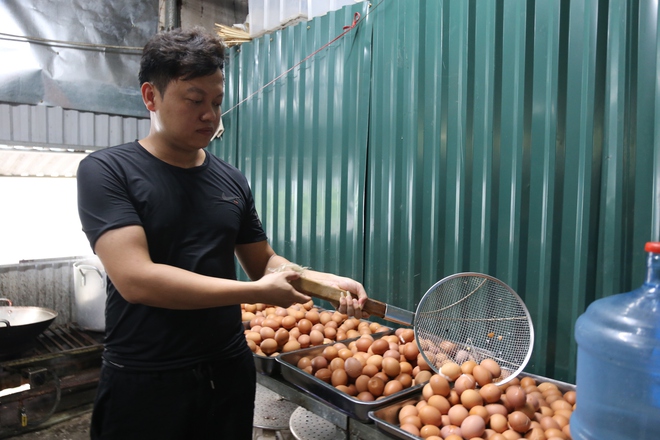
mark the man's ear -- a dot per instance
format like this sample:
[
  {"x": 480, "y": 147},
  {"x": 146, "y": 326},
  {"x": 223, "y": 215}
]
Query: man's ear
[{"x": 148, "y": 96}]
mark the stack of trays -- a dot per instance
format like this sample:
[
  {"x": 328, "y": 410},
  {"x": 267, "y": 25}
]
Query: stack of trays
[{"x": 351, "y": 406}]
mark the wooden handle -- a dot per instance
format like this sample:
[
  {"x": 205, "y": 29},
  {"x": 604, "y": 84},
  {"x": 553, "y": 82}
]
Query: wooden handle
[{"x": 333, "y": 294}]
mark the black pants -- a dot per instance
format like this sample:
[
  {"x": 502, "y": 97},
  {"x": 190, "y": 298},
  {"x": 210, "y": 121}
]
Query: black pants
[{"x": 213, "y": 400}]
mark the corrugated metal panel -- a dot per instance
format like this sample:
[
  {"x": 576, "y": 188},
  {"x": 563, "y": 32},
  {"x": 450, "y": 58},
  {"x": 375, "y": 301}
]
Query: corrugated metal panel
[
  {"x": 49, "y": 135},
  {"x": 520, "y": 139},
  {"x": 302, "y": 140}
]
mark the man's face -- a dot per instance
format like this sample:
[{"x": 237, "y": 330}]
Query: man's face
[{"x": 187, "y": 115}]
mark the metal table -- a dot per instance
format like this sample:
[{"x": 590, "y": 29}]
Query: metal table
[{"x": 352, "y": 428}]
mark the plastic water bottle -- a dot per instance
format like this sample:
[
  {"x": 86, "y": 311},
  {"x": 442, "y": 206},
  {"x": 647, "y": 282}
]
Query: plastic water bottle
[{"x": 618, "y": 363}]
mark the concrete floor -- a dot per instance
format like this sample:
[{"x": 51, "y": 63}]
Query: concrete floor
[{"x": 77, "y": 428}]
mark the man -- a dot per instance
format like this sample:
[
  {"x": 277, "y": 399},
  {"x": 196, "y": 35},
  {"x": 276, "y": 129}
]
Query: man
[{"x": 166, "y": 218}]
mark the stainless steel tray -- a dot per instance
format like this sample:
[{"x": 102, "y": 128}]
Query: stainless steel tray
[
  {"x": 387, "y": 419},
  {"x": 269, "y": 366},
  {"x": 349, "y": 405}
]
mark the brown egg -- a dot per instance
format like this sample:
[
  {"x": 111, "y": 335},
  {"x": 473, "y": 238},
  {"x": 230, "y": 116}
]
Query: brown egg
[
  {"x": 315, "y": 338},
  {"x": 304, "y": 362},
  {"x": 429, "y": 431},
  {"x": 364, "y": 343},
  {"x": 468, "y": 366},
  {"x": 422, "y": 364},
  {"x": 496, "y": 408},
  {"x": 490, "y": 393},
  {"x": 555, "y": 432},
  {"x": 344, "y": 353},
  {"x": 410, "y": 429},
  {"x": 339, "y": 377},
  {"x": 561, "y": 420},
  {"x": 288, "y": 322},
  {"x": 561, "y": 404},
  {"x": 457, "y": 413},
  {"x": 410, "y": 351},
  {"x": 370, "y": 370},
  {"x": 391, "y": 367},
  {"x": 471, "y": 398},
  {"x": 464, "y": 382},
  {"x": 291, "y": 346},
  {"x": 430, "y": 415},
  {"x": 394, "y": 354},
  {"x": 519, "y": 421},
  {"x": 405, "y": 379},
  {"x": 535, "y": 433},
  {"x": 427, "y": 392},
  {"x": 439, "y": 384},
  {"x": 451, "y": 432},
  {"x": 362, "y": 383},
  {"x": 336, "y": 363},
  {"x": 498, "y": 423},
  {"x": 379, "y": 346},
  {"x": 268, "y": 346},
  {"x": 451, "y": 371},
  {"x": 253, "y": 336},
  {"x": 473, "y": 426},
  {"x": 440, "y": 402},
  {"x": 376, "y": 386},
  {"x": 281, "y": 336},
  {"x": 423, "y": 377},
  {"x": 392, "y": 387},
  {"x": 527, "y": 381},
  {"x": 353, "y": 367},
  {"x": 482, "y": 375},
  {"x": 492, "y": 366},
  {"x": 516, "y": 396},
  {"x": 270, "y": 322},
  {"x": 382, "y": 376},
  {"x": 304, "y": 340},
  {"x": 365, "y": 396},
  {"x": 319, "y": 362},
  {"x": 324, "y": 374},
  {"x": 305, "y": 326},
  {"x": 407, "y": 410},
  {"x": 330, "y": 333},
  {"x": 510, "y": 434},
  {"x": 412, "y": 420}
]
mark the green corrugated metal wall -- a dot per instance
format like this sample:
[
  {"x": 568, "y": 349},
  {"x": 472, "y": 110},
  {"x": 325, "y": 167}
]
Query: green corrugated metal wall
[{"x": 515, "y": 138}]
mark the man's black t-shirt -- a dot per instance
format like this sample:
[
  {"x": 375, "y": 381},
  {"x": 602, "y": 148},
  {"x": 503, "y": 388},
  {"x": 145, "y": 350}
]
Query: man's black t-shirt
[{"x": 193, "y": 218}]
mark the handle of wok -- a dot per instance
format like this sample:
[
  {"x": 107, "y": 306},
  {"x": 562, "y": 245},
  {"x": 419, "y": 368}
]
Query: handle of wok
[{"x": 333, "y": 294}]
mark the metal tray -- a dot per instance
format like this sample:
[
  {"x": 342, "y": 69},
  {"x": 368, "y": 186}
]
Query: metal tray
[
  {"x": 269, "y": 366},
  {"x": 387, "y": 419},
  {"x": 324, "y": 391}
]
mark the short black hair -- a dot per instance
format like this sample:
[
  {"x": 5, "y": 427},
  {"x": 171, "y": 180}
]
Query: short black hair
[{"x": 180, "y": 54}]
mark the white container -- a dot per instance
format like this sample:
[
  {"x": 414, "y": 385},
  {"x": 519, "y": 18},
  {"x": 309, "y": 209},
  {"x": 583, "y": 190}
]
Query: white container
[{"x": 90, "y": 293}]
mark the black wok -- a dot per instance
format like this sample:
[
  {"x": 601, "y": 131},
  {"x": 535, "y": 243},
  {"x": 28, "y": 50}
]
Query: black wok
[{"x": 20, "y": 326}]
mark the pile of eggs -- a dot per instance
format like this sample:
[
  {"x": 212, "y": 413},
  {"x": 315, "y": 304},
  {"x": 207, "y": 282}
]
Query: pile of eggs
[
  {"x": 271, "y": 330},
  {"x": 370, "y": 368},
  {"x": 471, "y": 410}
]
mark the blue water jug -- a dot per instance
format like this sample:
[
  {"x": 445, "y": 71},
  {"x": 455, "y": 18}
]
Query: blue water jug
[{"x": 618, "y": 363}]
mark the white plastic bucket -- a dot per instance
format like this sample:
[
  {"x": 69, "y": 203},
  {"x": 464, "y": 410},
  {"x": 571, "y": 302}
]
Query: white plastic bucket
[{"x": 90, "y": 282}]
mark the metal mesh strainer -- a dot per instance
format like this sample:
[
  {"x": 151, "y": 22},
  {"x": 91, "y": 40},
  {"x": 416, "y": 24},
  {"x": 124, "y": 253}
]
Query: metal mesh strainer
[
  {"x": 461, "y": 317},
  {"x": 474, "y": 316}
]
